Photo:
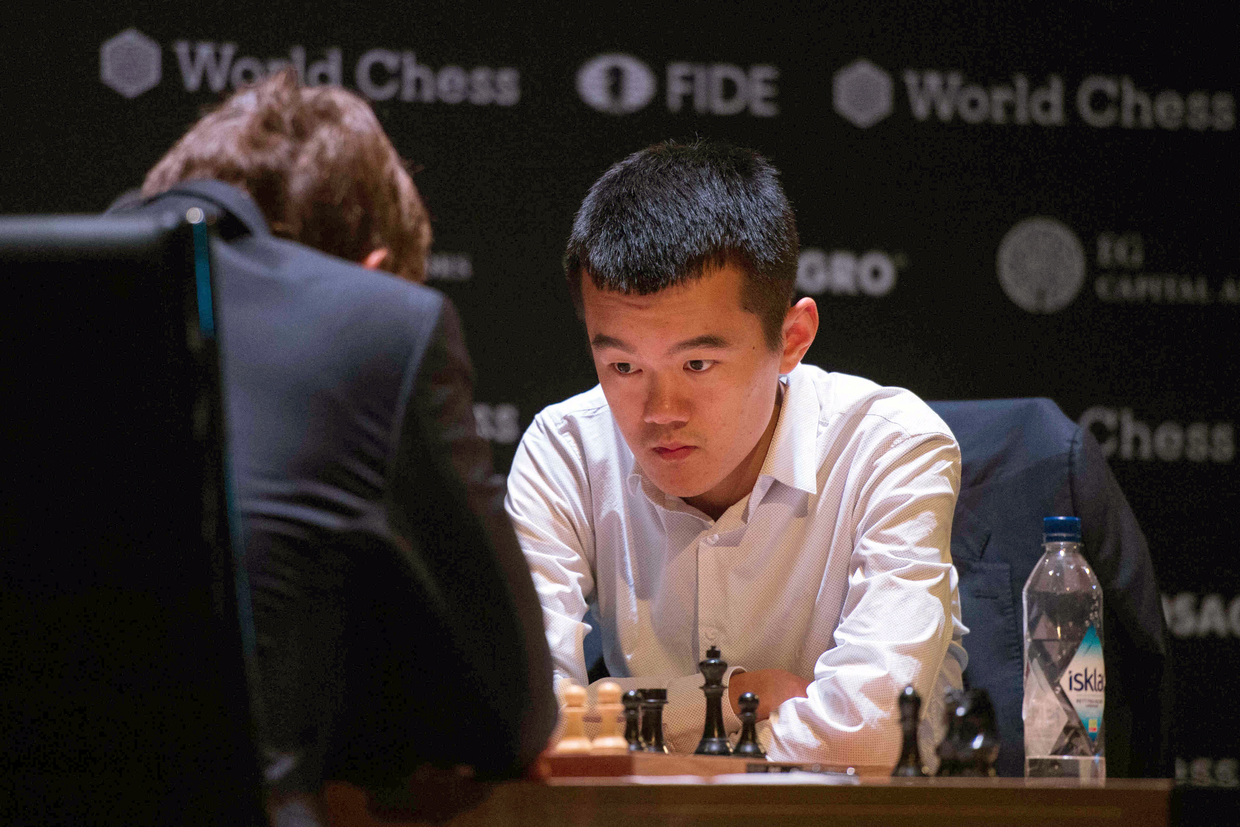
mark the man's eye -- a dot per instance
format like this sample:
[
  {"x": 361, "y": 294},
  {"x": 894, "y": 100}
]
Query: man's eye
[
  {"x": 698, "y": 365},
  {"x": 623, "y": 368}
]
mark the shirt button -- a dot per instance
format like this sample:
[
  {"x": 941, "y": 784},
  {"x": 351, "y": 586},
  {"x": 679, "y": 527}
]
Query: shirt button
[
  {"x": 711, "y": 634},
  {"x": 712, "y": 539}
]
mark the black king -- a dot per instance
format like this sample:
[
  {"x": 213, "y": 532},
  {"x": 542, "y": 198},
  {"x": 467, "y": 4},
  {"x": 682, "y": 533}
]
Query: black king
[{"x": 714, "y": 736}]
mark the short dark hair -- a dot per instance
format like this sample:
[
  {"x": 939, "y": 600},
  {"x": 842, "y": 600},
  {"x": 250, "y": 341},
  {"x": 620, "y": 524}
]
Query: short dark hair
[
  {"x": 665, "y": 214},
  {"x": 317, "y": 163}
]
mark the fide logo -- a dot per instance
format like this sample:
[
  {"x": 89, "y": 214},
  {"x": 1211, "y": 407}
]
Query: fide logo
[
  {"x": 862, "y": 93},
  {"x": 1041, "y": 265},
  {"x": 130, "y": 63},
  {"x": 616, "y": 83}
]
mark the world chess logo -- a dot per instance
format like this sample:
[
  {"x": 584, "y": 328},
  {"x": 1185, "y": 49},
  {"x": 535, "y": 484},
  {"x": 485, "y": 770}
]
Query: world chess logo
[
  {"x": 616, "y": 83},
  {"x": 862, "y": 93},
  {"x": 1041, "y": 265},
  {"x": 130, "y": 63}
]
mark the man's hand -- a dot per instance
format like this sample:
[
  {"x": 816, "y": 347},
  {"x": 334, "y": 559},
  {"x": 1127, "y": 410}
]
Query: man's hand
[{"x": 772, "y": 686}]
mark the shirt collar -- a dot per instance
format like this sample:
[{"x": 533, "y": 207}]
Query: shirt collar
[
  {"x": 792, "y": 457},
  {"x": 217, "y": 197}
]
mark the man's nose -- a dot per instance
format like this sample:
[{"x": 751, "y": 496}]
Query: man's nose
[{"x": 666, "y": 404}]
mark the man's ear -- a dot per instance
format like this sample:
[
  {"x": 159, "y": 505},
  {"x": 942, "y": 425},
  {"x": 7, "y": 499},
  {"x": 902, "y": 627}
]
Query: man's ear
[
  {"x": 375, "y": 258},
  {"x": 800, "y": 328}
]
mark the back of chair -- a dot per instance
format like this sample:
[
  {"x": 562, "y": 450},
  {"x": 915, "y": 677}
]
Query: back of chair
[
  {"x": 123, "y": 694},
  {"x": 1023, "y": 460}
]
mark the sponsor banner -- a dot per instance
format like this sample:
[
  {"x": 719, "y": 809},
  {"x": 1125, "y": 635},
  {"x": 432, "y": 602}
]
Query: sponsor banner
[
  {"x": 1208, "y": 772},
  {"x": 865, "y": 94},
  {"x": 131, "y": 63},
  {"x": 499, "y": 423},
  {"x": 1124, "y": 436},
  {"x": 618, "y": 83},
  {"x": 847, "y": 273},
  {"x": 449, "y": 267},
  {"x": 1191, "y": 615},
  {"x": 1043, "y": 266}
]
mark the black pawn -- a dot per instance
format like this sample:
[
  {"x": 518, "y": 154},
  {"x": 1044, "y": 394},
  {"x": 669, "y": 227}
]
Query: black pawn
[
  {"x": 653, "y": 701},
  {"x": 952, "y": 749},
  {"x": 909, "y": 765},
  {"x": 747, "y": 745},
  {"x": 714, "y": 736},
  {"x": 632, "y": 726},
  {"x": 981, "y": 735}
]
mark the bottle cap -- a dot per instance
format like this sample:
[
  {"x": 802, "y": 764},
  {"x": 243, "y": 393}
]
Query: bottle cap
[{"x": 1061, "y": 529}]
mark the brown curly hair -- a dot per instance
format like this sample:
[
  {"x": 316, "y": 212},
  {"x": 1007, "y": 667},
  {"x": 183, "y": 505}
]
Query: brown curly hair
[{"x": 317, "y": 163}]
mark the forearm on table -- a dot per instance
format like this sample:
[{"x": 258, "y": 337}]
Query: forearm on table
[{"x": 850, "y": 713}]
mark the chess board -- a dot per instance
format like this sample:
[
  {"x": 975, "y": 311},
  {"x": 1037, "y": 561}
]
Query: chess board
[{"x": 552, "y": 767}]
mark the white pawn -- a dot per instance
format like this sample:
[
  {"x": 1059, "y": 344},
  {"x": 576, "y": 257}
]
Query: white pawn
[
  {"x": 574, "y": 741},
  {"x": 609, "y": 740}
]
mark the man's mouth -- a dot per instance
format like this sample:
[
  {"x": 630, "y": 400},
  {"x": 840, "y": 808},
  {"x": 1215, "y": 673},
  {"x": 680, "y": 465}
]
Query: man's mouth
[{"x": 673, "y": 451}]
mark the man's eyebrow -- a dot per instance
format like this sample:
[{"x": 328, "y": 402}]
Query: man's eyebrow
[
  {"x": 709, "y": 340},
  {"x": 602, "y": 340}
]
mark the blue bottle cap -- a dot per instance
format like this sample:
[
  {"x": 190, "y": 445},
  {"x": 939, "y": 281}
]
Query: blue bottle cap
[{"x": 1061, "y": 529}]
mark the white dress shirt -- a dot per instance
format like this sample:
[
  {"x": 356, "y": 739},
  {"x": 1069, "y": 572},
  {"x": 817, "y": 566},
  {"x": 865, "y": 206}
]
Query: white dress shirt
[{"x": 836, "y": 567}]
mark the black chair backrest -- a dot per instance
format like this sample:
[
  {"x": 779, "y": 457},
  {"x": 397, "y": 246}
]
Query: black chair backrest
[
  {"x": 123, "y": 692},
  {"x": 1024, "y": 459}
]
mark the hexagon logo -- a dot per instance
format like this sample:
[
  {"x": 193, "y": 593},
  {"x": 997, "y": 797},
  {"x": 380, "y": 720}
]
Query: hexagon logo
[
  {"x": 862, "y": 93},
  {"x": 130, "y": 63},
  {"x": 616, "y": 83},
  {"x": 1041, "y": 265}
]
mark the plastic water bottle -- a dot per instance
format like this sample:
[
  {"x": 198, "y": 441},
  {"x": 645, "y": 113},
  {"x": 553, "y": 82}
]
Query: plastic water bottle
[{"x": 1064, "y": 674}]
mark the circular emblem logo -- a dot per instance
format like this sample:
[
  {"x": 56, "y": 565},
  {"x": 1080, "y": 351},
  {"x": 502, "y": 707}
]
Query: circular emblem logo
[
  {"x": 1041, "y": 265},
  {"x": 616, "y": 83}
]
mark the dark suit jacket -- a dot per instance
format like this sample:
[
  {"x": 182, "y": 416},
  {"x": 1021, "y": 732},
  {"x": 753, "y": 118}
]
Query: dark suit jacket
[
  {"x": 396, "y": 620},
  {"x": 1023, "y": 460}
]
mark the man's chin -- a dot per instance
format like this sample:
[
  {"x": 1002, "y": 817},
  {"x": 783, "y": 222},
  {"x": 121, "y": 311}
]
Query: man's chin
[{"x": 675, "y": 485}]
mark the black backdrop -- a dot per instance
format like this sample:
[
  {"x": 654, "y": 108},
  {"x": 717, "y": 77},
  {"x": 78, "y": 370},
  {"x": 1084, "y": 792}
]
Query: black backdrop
[{"x": 992, "y": 203}]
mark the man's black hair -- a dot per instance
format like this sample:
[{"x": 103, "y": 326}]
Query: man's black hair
[{"x": 665, "y": 214}]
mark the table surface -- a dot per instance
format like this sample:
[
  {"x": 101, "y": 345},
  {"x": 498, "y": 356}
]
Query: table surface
[{"x": 730, "y": 799}]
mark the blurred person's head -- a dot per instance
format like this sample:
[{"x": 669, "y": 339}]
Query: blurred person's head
[{"x": 319, "y": 166}]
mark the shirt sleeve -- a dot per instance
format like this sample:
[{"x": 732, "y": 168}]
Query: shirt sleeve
[{"x": 900, "y": 621}]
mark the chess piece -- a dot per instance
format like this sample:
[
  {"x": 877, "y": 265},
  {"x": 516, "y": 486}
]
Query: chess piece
[
  {"x": 972, "y": 742},
  {"x": 574, "y": 740},
  {"x": 949, "y": 749},
  {"x": 747, "y": 745},
  {"x": 714, "y": 736},
  {"x": 653, "y": 701},
  {"x": 609, "y": 741},
  {"x": 982, "y": 733},
  {"x": 632, "y": 720},
  {"x": 909, "y": 765}
]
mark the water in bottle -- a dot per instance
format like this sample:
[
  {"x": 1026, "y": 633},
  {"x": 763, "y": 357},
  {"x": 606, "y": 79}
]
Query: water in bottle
[{"x": 1064, "y": 673}]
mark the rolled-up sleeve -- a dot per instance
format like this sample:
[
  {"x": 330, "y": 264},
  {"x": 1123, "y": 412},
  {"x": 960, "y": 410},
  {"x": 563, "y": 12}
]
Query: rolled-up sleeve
[{"x": 899, "y": 624}]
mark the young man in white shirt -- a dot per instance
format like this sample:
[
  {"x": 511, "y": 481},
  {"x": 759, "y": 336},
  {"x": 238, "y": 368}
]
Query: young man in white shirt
[{"x": 713, "y": 491}]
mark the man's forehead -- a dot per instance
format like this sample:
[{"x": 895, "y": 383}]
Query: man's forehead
[{"x": 724, "y": 281}]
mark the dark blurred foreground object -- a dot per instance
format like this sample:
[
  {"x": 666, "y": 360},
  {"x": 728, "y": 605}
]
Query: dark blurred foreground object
[
  {"x": 123, "y": 695},
  {"x": 388, "y": 586},
  {"x": 1022, "y": 460},
  {"x": 971, "y": 745}
]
